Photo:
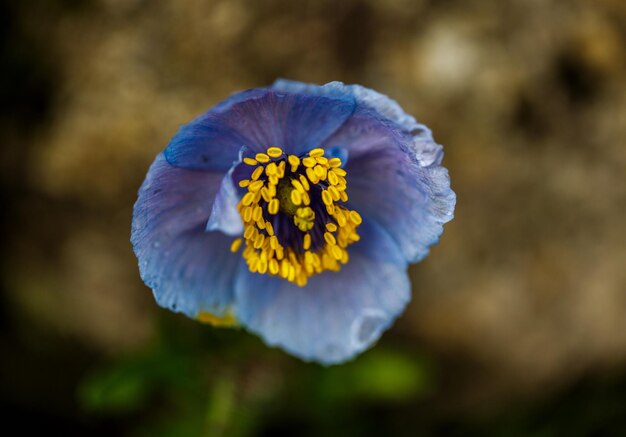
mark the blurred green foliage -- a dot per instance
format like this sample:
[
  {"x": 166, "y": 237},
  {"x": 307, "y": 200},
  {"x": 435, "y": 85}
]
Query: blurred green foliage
[{"x": 206, "y": 381}]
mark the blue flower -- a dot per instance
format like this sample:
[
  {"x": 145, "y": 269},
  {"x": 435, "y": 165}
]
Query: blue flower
[{"x": 294, "y": 211}]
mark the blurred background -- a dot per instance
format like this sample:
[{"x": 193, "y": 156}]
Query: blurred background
[{"x": 517, "y": 325}]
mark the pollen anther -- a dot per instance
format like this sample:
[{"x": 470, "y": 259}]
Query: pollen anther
[{"x": 309, "y": 190}]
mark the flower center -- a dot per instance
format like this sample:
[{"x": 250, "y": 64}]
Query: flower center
[{"x": 295, "y": 223}]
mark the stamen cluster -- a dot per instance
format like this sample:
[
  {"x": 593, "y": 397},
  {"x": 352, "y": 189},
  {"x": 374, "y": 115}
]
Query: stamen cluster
[{"x": 295, "y": 224}]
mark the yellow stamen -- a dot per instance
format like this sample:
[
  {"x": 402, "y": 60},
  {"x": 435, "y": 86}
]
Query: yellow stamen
[
  {"x": 226, "y": 321},
  {"x": 297, "y": 185},
  {"x": 327, "y": 198},
  {"x": 305, "y": 183},
  {"x": 311, "y": 175},
  {"x": 247, "y": 214},
  {"x": 274, "y": 152},
  {"x": 258, "y": 241},
  {"x": 267, "y": 193},
  {"x": 334, "y": 192},
  {"x": 255, "y": 186},
  {"x": 247, "y": 199},
  {"x": 273, "y": 242},
  {"x": 316, "y": 152},
  {"x": 320, "y": 172},
  {"x": 334, "y": 162},
  {"x": 262, "y": 157},
  {"x": 271, "y": 169},
  {"x": 337, "y": 252},
  {"x": 249, "y": 233},
  {"x": 273, "y": 206},
  {"x": 356, "y": 217},
  {"x": 332, "y": 178},
  {"x": 306, "y": 243},
  {"x": 294, "y": 161},
  {"x": 306, "y": 199},
  {"x": 296, "y": 198},
  {"x": 257, "y": 213},
  {"x": 273, "y": 265},
  {"x": 236, "y": 244},
  {"x": 256, "y": 174}
]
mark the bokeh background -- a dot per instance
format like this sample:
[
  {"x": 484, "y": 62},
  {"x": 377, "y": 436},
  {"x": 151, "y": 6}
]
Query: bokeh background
[{"x": 517, "y": 325}]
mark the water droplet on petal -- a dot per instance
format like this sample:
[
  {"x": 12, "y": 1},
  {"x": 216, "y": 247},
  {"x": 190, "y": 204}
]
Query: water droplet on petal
[{"x": 368, "y": 327}]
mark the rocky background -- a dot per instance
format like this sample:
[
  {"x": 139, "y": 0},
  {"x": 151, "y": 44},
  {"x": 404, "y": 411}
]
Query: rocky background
[{"x": 518, "y": 320}]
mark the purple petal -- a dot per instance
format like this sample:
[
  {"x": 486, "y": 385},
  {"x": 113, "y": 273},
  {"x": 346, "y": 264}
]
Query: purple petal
[
  {"x": 421, "y": 143},
  {"x": 188, "y": 269},
  {"x": 257, "y": 119},
  {"x": 224, "y": 215},
  {"x": 387, "y": 183},
  {"x": 337, "y": 314}
]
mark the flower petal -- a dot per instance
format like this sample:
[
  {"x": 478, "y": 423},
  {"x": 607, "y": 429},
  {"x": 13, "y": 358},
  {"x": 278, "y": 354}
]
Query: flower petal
[
  {"x": 257, "y": 119},
  {"x": 224, "y": 215},
  {"x": 388, "y": 183},
  {"x": 337, "y": 314},
  {"x": 426, "y": 151},
  {"x": 394, "y": 172},
  {"x": 188, "y": 269}
]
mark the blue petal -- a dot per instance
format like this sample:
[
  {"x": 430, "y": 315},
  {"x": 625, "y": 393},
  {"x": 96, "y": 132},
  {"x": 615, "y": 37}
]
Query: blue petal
[
  {"x": 188, "y": 269},
  {"x": 207, "y": 144},
  {"x": 224, "y": 215},
  {"x": 258, "y": 119},
  {"x": 337, "y": 314},
  {"x": 421, "y": 143},
  {"x": 389, "y": 184},
  {"x": 394, "y": 173}
]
